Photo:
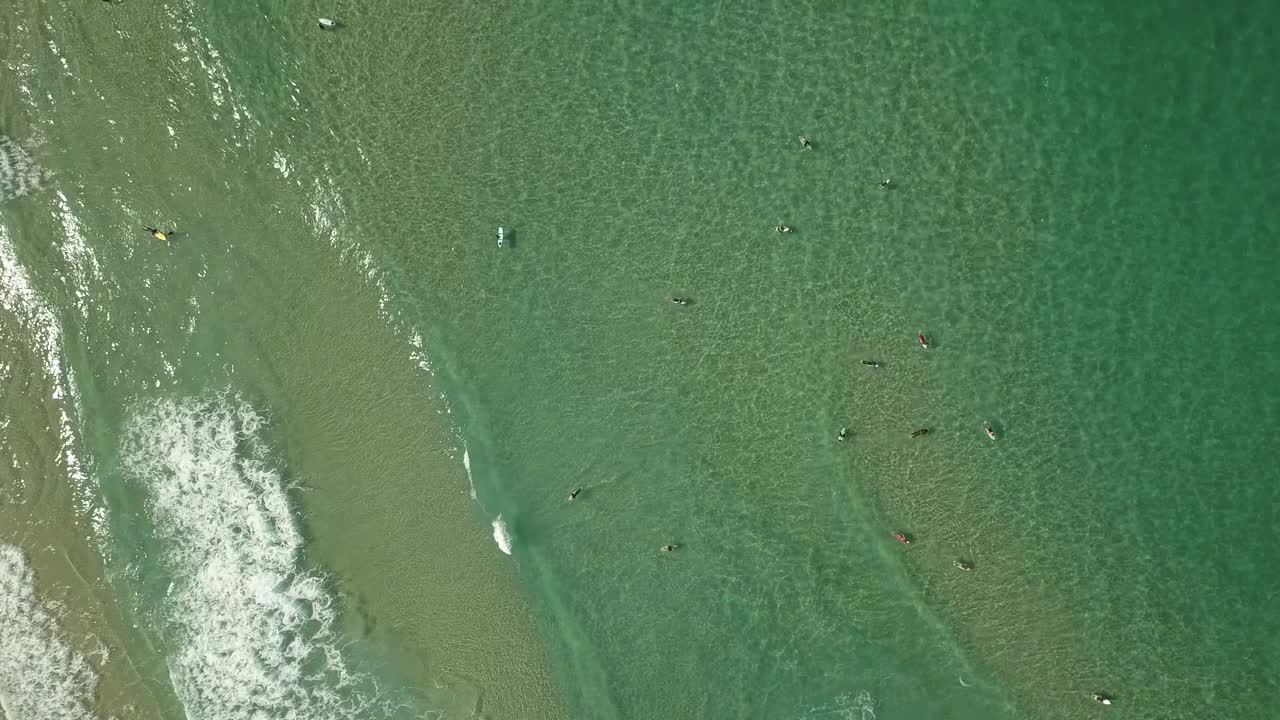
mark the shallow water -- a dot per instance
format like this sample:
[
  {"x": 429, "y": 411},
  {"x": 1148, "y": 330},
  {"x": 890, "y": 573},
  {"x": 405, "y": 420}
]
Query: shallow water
[{"x": 1079, "y": 216}]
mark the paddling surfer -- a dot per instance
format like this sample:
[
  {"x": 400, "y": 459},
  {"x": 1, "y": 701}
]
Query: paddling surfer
[{"x": 157, "y": 233}]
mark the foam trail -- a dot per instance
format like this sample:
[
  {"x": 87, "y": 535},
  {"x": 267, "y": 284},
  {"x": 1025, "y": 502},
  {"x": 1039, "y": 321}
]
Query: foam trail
[
  {"x": 41, "y": 678},
  {"x": 255, "y": 631},
  {"x": 502, "y": 534},
  {"x": 466, "y": 463}
]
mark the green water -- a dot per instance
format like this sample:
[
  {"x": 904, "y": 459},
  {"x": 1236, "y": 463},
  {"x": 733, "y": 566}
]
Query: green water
[{"x": 1080, "y": 217}]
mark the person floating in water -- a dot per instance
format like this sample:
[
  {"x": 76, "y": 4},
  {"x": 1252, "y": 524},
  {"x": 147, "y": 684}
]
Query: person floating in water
[
  {"x": 920, "y": 433},
  {"x": 678, "y": 300},
  {"x": 782, "y": 228},
  {"x": 1102, "y": 698},
  {"x": 961, "y": 565},
  {"x": 668, "y": 548},
  {"x": 804, "y": 143},
  {"x": 871, "y": 363},
  {"x": 844, "y": 433},
  {"x": 573, "y": 495},
  {"x": 157, "y": 233}
]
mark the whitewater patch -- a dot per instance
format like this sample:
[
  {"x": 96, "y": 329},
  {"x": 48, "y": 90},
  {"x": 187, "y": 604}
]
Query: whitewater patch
[
  {"x": 254, "y": 632},
  {"x": 466, "y": 464},
  {"x": 19, "y": 174},
  {"x": 502, "y": 534},
  {"x": 41, "y": 677}
]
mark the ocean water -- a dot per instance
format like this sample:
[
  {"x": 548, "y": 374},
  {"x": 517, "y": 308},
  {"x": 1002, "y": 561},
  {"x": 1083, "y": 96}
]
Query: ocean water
[{"x": 310, "y": 457}]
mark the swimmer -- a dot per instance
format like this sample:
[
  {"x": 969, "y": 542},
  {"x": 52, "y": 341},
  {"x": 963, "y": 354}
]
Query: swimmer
[
  {"x": 961, "y": 565},
  {"x": 573, "y": 495},
  {"x": 804, "y": 143},
  {"x": 885, "y": 183},
  {"x": 920, "y": 433},
  {"x": 871, "y": 363},
  {"x": 668, "y": 548},
  {"x": 678, "y": 300},
  {"x": 157, "y": 233},
  {"x": 1102, "y": 699},
  {"x": 844, "y": 433}
]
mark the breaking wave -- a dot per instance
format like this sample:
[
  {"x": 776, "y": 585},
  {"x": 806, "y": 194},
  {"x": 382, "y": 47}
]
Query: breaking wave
[{"x": 254, "y": 631}]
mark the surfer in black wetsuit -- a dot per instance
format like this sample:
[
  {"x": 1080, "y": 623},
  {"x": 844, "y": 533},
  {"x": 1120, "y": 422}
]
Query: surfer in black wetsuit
[
  {"x": 157, "y": 233},
  {"x": 1101, "y": 699},
  {"x": 573, "y": 495},
  {"x": 844, "y": 433},
  {"x": 871, "y": 363},
  {"x": 678, "y": 300},
  {"x": 961, "y": 565},
  {"x": 668, "y": 548},
  {"x": 920, "y": 433}
]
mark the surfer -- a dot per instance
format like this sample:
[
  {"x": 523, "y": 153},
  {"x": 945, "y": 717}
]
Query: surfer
[
  {"x": 804, "y": 143},
  {"x": 920, "y": 433},
  {"x": 990, "y": 431},
  {"x": 668, "y": 548},
  {"x": 871, "y": 363},
  {"x": 1102, "y": 699},
  {"x": 157, "y": 233},
  {"x": 961, "y": 565},
  {"x": 844, "y": 433},
  {"x": 884, "y": 183},
  {"x": 901, "y": 537},
  {"x": 782, "y": 228},
  {"x": 678, "y": 300},
  {"x": 924, "y": 344},
  {"x": 327, "y": 24},
  {"x": 573, "y": 495}
]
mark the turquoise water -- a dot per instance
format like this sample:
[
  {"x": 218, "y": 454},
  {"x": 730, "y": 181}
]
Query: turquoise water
[{"x": 289, "y": 429}]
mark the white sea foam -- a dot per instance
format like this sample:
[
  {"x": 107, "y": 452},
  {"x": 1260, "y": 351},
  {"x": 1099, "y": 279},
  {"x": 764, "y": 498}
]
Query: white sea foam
[
  {"x": 41, "y": 677},
  {"x": 502, "y": 534},
  {"x": 19, "y": 174},
  {"x": 254, "y": 630},
  {"x": 281, "y": 163},
  {"x": 847, "y": 706},
  {"x": 466, "y": 463}
]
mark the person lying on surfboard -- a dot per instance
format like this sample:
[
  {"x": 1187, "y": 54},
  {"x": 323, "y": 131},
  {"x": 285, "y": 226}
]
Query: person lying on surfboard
[{"x": 157, "y": 233}]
